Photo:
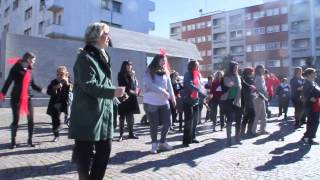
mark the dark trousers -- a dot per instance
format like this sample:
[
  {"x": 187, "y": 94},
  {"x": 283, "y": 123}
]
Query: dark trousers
[
  {"x": 312, "y": 124},
  {"x": 174, "y": 114},
  {"x": 214, "y": 103},
  {"x": 283, "y": 109},
  {"x": 233, "y": 114},
  {"x": 130, "y": 121},
  {"x": 92, "y": 165},
  {"x": 56, "y": 122},
  {"x": 16, "y": 117},
  {"x": 248, "y": 119},
  {"x": 299, "y": 114},
  {"x": 191, "y": 115}
]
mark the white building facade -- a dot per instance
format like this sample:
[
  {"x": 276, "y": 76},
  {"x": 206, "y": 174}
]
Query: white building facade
[{"x": 67, "y": 19}]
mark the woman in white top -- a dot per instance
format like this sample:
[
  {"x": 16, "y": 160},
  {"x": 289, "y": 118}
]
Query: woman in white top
[{"x": 157, "y": 92}]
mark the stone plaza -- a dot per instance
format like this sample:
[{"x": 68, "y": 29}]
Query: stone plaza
[{"x": 277, "y": 155}]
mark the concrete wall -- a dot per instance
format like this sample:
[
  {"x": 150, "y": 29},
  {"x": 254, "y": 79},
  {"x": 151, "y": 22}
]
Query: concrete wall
[{"x": 52, "y": 53}]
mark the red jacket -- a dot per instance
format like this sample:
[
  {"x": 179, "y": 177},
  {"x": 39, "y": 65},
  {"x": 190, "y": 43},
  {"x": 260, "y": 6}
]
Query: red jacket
[
  {"x": 271, "y": 81},
  {"x": 216, "y": 90}
]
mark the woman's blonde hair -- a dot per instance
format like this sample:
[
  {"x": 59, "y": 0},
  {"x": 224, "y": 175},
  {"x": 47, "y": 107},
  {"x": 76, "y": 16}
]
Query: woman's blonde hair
[{"x": 93, "y": 32}]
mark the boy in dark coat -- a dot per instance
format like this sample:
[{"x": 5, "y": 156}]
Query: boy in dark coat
[{"x": 59, "y": 89}]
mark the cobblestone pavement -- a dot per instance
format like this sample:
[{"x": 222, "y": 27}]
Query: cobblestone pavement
[{"x": 278, "y": 155}]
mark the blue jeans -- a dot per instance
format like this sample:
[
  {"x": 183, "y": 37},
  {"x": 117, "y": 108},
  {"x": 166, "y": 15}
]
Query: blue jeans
[{"x": 155, "y": 115}]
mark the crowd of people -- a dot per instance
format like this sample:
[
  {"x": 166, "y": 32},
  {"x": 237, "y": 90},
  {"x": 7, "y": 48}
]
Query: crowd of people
[{"x": 92, "y": 102}]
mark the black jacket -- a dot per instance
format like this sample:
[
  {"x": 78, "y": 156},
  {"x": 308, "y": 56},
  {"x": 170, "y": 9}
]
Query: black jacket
[
  {"x": 295, "y": 83},
  {"x": 16, "y": 75},
  {"x": 59, "y": 98},
  {"x": 129, "y": 106}
]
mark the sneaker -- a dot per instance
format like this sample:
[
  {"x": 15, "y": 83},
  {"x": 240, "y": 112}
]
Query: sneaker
[
  {"x": 165, "y": 146},
  {"x": 55, "y": 139},
  {"x": 154, "y": 148}
]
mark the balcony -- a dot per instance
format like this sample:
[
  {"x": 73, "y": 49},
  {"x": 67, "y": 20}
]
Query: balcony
[
  {"x": 300, "y": 52},
  {"x": 55, "y": 5}
]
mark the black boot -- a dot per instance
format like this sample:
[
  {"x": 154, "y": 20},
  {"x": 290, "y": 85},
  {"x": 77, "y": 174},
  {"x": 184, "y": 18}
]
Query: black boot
[
  {"x": 30, "y": 144},
  {"x": 13, "y": 136}
]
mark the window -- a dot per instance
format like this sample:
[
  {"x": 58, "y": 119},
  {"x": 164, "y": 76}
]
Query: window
[
  {"x": 209, "y": 53},
  {"x": 218, "y": 22},
  {"x": 199, "y": 39},
  {"x": 273, "y": 63},
  {"x": 259, "y": 30},
  {"x": 27, "y": 32},
  {"x": 249, "y": 48},
  {"x": 259, "y": 62},
  {"x": 272, "y": 29},
  {"x": 275, "y": 11},
  {"x": 236, "y": 49},
  {"x": 105, "y": 4},
  {"x": 209, "y": 23},
  {"x": 6, "y": 12},
  {"x": 116, "y": 6},
  {"x": 301, "y": 43},
  {"x": 258, "y": 14},
  {"x": 184, "y": 28},
  {"x": 219, "y": 37},
  {"x": 209, "y": 38},
  {"x": 203, "y": 38},
  {"x": 273, "y": 45},
  {"x": 285, "y": 62},
  {"x": 269, "y": 12},
  {"x": 284, "y": 44},
  {"x": 236, "y": 34},
  {"x": 249, "y": 32},
  {"x": 318, "y": 41},
  {"x": 28, "y": 13},
  {"x": 284, "y": 10},
  {"x": 6, "y": 28},
  {"x": 41, "y": 27},
  {"x": 284, "y": 27},
  {"x": 57, "y": 18},
  {"x": 259, "y": 47},
  {"x": 219, "y": 51},
  {"x": 42, "y": 5},
  {"x": 175, "y": 30},
  {"x": 248, "y": 16},
  {"x": 15, "y": 4}
]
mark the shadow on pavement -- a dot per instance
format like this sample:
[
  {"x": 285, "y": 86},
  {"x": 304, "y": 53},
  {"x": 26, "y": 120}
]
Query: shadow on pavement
[
  {"x": 126, "y": 156},
  {"x": 33, "y": 150},
  {"x": 299, "y": 152},
  {"x": 187, "y": 157},
  {"x": 63, "y": 167},
  {"x": 286, "y": 128}
]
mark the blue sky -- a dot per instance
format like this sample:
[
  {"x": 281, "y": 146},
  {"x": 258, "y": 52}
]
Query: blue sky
[{"x": 169, "y": 11}]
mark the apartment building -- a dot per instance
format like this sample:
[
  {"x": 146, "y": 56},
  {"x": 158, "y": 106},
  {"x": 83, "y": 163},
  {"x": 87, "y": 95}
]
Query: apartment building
[
  {"x": 67, "y": 19},
  {"x": 228, "y": 37},
  {"x": 304, "y": 32},
  {"x": 199, "y": 32},
  {"x": 278, "y": 34},
  {"x": 267, "y": 36}
]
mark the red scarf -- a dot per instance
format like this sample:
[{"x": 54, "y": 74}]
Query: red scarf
[
  {"x": 24, "y": 110},
  {"x": 195, "y": 82}
]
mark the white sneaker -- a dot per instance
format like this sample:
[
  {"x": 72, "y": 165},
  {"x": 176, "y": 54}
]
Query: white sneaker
[
  {"x": 165, "y": 146},
  {"x": 154, "y": 148}
]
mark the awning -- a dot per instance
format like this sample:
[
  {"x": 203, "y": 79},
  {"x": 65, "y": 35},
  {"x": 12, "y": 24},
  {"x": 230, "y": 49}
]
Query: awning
[{"x": 135, "y": 41}]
